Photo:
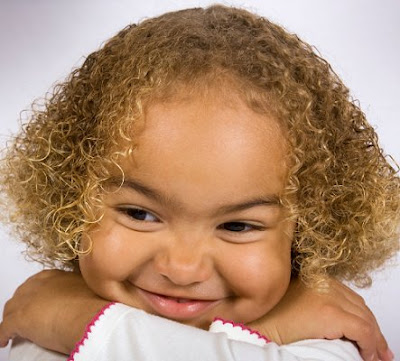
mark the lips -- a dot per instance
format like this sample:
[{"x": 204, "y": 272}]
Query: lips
[{"x": 175, "y": 307}]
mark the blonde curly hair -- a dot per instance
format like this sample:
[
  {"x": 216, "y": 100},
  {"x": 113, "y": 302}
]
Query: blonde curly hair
[{"x": 341, "y": 189}]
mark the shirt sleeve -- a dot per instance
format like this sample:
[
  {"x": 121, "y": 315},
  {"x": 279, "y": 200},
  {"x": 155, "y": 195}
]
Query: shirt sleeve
[{"x": 124, "y": 333}]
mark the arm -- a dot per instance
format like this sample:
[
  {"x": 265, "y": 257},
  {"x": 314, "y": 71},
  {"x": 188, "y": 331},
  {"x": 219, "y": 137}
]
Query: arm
[
  {"x": 120, "y": 332},
  {"x": 174, "y": 342},
  {"x": 51, "y": 309},
  {"x": 70, "y": 305},
  {"x": 335, "y": 312}
]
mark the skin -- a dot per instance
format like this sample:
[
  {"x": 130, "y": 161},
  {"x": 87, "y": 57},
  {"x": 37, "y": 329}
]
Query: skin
[
  {"x": 188, "y": 244},
  {"x": 196, "y": 230},
  {"x": 52, "y": 309}
]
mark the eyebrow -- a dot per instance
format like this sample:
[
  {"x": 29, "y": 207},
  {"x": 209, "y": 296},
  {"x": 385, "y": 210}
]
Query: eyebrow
[{"x": 269, "y": 200}]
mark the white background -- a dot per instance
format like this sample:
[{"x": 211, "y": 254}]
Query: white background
[{"x": 41, "y": 40}]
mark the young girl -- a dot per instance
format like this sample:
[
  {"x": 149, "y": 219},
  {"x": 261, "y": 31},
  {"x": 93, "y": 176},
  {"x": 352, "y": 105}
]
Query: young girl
[{"x": 189, "y": 169}]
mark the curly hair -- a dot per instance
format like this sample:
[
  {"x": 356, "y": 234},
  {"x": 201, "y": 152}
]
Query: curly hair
[{"x": 341, "y": 189}]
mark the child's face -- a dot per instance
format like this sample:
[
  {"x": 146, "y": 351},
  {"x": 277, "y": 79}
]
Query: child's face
[{"x": 196, "y": 230}]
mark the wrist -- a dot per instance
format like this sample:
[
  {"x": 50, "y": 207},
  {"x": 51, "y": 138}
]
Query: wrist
[
  {"x": 88, "y": 329},
  {"x": 266, "y": 326},
  {"x": 75, "y": 321}
]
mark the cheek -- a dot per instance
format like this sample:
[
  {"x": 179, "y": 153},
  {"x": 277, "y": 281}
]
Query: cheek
[
  {"x": 257, "y": 272},
  {"x": 109, "y": 258},
  {"x": 109, "y": 263},
  {"x": 260, "y": 273}
]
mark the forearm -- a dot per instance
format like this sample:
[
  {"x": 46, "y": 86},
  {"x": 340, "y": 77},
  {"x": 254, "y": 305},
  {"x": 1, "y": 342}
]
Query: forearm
[
  {"x": 67, "y": 335},
  {"x": 126, "y": 333},
  {"x": 53, "y": 308},
  {"x": 50, "y": 309}
]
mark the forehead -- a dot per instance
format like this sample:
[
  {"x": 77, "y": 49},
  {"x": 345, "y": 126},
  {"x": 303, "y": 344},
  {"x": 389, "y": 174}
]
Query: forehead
[
  {"x": 211, "y": 121},
  {"x": 208, "y": 147},
  {"x": 210, "y": 110}
]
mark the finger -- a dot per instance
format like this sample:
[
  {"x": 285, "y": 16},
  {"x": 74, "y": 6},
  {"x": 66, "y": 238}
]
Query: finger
[
  {"x": 4, "y": 336},
  {"x": 361, "y": 332},
  {"x": 354, "y": 303},
  {"x": 384, "y": 353},
  {"x": 352, "y": 327},
  {"x": 372, "y": 335},
  {"x": 389, "y": 356},
  {"x": 382, "y": 346},
  {"x": 362, "y": 310},
  {"x": 3, "y": 342},
  {"x": 347, "y": 306}
]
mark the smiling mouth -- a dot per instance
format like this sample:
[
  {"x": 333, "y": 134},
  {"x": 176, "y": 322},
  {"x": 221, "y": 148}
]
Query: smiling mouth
[
  {"x": 175, "y": 307},
  {"x": 178, "y": 300}
]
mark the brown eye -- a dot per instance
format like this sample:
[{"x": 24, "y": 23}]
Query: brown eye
[
  {"x": 237, "y": 227},
  {"x": 140, "y": 215}
]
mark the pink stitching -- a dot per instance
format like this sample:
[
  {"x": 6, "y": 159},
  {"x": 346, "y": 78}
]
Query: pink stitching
[
  {"x": 243, "y": 327},
  {"x": 88, "y": 329}
]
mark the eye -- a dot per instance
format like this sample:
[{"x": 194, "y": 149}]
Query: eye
[
  {"x": 240, "y": 227},
  {"x": 139, "y": 214}
]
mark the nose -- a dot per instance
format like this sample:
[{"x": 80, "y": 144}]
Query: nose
[{"x": 184, "y": 263}]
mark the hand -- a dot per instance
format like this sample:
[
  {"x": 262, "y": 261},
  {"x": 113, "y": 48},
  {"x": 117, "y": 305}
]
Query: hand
[
  {"x": 67, "y": 300},
  {"x": 334, "y": 313}
]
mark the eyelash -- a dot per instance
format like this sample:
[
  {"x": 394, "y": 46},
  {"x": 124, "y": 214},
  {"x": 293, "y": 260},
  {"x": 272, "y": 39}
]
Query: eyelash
[
  {"x": 253, "y": 227},
  {"x": 128, "y": 212}
]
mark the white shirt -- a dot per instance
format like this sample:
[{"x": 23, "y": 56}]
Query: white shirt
[{"x": 124, "y": 333}]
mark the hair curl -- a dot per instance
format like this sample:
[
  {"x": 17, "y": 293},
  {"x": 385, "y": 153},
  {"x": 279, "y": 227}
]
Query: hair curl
[{"x": 341, "y": 189}]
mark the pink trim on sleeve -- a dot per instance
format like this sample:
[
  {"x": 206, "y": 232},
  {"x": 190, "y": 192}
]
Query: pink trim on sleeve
[
  {"x": 243, "y": 328},
  {"x": 88, "y": 329}
]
